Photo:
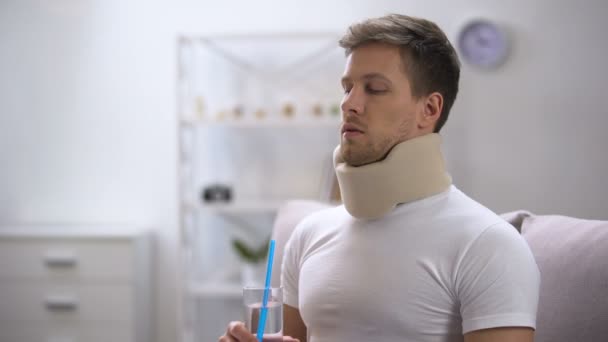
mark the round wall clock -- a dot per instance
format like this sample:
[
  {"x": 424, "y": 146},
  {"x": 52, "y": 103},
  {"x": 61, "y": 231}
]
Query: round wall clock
[{"x": 483, "y": 43}]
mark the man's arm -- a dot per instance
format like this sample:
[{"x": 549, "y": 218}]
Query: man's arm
[
  {"x": 506, "y": 334},
  {"x": 292, "y": 323}
]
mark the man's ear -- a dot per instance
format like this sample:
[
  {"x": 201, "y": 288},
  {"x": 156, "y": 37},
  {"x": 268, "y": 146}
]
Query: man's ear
[{"x": 432, "y": 105}]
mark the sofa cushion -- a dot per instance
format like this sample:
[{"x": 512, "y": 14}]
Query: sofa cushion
[
  {"x": 516, "y": 218},
  {"x": 572, "y": 256}
]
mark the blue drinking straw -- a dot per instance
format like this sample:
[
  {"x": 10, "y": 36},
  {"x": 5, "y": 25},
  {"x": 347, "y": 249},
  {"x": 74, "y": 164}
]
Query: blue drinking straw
[{"x": 264, "y": 312}]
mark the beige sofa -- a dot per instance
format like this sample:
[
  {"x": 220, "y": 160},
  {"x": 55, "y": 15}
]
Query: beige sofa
[{"x": 571, "y": 253}]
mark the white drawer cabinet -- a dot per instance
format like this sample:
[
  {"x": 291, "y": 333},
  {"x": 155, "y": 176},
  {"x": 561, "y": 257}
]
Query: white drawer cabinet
[
  {"x": 57, "y": 332},
  {"x": 43, "y": 301},
  {"x": 75, "y": 284},
  {"x": 63, "y": 257}
]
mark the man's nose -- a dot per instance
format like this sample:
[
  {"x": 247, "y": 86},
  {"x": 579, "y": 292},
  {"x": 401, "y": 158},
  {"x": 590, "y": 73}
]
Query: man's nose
[{"x": 353, "y": 102}]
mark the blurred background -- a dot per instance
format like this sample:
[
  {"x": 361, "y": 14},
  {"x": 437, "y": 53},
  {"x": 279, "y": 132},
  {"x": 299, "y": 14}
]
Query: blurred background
[{"x": 92, "y": 119}]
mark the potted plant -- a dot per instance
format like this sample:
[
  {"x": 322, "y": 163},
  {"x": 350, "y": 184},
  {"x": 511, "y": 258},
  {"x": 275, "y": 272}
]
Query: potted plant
[{"x": 253, "y": 268}]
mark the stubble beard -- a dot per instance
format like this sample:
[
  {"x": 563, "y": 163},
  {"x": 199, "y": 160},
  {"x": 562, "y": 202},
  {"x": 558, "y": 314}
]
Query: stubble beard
[
  {"x": 356, "y": 153},
  {"x": 362, "y": 154}
]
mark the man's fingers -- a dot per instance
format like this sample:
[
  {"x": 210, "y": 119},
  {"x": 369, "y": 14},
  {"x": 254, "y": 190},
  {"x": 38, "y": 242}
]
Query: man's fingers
[
  {"x": 229, "y": 335},
  {"x": 239, "y": 332},
  {"x": 231, "y": 327}
]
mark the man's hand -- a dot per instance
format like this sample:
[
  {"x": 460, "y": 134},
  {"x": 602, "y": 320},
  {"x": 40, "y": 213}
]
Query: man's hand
[{"x": 237, "y": 332}]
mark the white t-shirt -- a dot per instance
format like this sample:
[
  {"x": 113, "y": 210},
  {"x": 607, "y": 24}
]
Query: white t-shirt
[{"x": 429, "y": 271}]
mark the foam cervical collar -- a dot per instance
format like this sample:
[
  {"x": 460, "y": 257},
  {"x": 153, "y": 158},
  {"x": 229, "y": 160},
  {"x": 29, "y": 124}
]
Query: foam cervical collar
[{"x": 413, "y": 170}]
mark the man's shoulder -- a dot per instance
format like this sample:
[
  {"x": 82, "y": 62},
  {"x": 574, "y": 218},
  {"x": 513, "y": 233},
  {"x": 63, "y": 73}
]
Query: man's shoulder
[
  {"x": 464, "y": 215},
  {"x": 317, "y": 227},
  {"x": 471, "y": 208},
  {"x": 322, "y": 221}
]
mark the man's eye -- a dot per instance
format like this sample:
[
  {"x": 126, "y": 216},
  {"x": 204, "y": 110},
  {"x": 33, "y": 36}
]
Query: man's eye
[{"x": 375, "y": 90}]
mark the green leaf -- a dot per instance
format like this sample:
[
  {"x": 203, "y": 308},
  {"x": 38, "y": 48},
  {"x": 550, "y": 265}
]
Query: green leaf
[
  {"x": 249, "y": 254},
  {"x": 244, "y": 251}
]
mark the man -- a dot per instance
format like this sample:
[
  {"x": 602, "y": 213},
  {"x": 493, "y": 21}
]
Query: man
[{"x": 408, "y": 257}]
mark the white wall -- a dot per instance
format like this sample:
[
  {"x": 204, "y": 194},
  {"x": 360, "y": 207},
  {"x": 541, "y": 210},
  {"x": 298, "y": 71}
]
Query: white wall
[
  {"x": 536, "y": 128},
  {"x": 87, "y": 107},
  {"x": 87, "y": 124}
]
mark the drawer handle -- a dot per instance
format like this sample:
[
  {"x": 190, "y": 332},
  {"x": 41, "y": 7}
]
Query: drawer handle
[
  {"x": 60, "y": 259},
  {"x": 61, "y": 303}
]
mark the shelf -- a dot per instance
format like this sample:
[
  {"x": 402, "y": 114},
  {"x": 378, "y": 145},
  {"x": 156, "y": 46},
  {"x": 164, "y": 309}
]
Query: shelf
[
  {"x": 244, "y": 123},
  {"x": 259, "y": 207},
  {"x": 244, "y": 207},
  {"x": 222, "y": 83},
  {"x": 225, "y": 290}
]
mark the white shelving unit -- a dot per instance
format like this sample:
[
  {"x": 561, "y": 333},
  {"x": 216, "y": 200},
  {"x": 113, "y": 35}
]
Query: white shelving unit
[
  {"x": 229, "y": 290},
  {"x": 277, "y": 123},
  {"x": 260, "y": 116},
  {"x": 238, "y": 208}
]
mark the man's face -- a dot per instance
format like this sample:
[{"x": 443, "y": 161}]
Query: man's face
[{"x": 378, "y": 109}]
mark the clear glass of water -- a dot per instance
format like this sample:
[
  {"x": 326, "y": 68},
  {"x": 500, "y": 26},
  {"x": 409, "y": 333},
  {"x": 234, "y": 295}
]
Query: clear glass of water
[{"x": 252, "y": 300}]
